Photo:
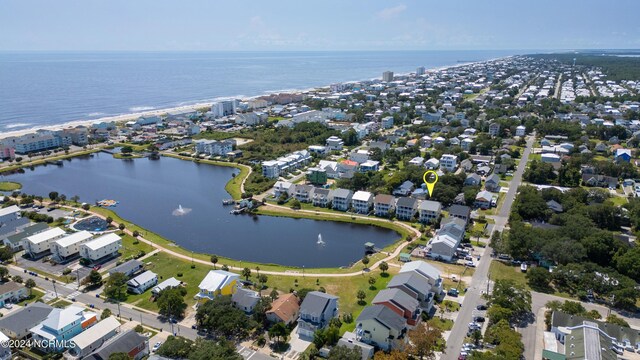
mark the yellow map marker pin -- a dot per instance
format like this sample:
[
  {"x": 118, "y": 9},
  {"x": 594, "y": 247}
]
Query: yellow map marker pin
[{"x": 434, "y": 179}]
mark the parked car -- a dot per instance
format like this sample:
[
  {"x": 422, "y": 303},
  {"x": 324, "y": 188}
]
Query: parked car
[
  {"x": 97, "y": 267},
  {"x": 479, "y": 319},
  {"x": 452, "y": 292},
  {"x": 470, "y": 264},
  {"x": 481, "y": 307},
  {"x": 156, "y": 346},
  {"x": 8, "y": 306}
]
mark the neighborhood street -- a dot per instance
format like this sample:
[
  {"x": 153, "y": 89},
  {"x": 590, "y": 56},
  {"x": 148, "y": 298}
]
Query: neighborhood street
[{"x": 481, "y": 276}]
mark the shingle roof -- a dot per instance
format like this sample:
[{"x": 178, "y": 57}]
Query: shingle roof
[
  {"x": 285, "y": 306},
  {"x": 127, "y": 267},
  {"x": 124, "y": 342},
  {"x": 384, "y": 199},
  {"x": 397, "y": 296},
  {"x": 24, "y": 319},
  {"x": 429, "y": 205},
  {"x": 413, "y": 280},
  {"x": 422, "y": 268},
  {"x": 315, "y": 302},
  {"x": 406, "y": 202},
  {"x": 28, "y": 231},
  {"x": 383, "y": 315}
]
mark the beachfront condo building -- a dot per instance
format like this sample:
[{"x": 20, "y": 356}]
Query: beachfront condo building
[
  {"x": 387, "y": 76},
  {"x": 223, "y": 108}
]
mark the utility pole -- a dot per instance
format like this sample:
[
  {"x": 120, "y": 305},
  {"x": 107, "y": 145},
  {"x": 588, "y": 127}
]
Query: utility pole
[
  {"x": 78, "y": 277},
  {"x": 53, "y": 281}
]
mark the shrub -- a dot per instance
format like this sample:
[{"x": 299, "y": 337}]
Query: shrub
[{"x": 179, "y": 274}]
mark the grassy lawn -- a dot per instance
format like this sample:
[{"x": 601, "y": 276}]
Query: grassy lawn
[
  {"x": 63, "y": 278},
  {"x": 130, "y": 248},
  {"x": 166, "y": 266},
  {"x": 126, "y": 156},
  {"x": 618, "y": 200},
  {"x": 442, "y": 324},
  {"x": 450, "y": 305},
  {"x": 60, "y": 303},
  {"x": 9, "y": 186},
  {"x": 535, "y": 157},
  {"x": 500, "y": 271},
  {"x": 35, "y": 295}
]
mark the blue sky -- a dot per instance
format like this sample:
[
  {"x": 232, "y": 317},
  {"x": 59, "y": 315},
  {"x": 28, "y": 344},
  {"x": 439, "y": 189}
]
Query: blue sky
[{"x": 159, "y": 25}]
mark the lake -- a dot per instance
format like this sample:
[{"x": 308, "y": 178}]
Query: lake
[{"x": 150, "y": 191}]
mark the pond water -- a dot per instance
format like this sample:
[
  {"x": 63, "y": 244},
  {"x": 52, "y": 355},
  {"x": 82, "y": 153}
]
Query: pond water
[{"x": 182, "y": 201}]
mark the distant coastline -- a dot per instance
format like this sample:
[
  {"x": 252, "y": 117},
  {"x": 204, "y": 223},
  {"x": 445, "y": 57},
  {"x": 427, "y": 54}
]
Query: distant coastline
[{"x": 198, "y": 105}]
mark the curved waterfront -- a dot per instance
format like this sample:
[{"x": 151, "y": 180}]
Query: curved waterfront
[{"x": 150, "y": 193}]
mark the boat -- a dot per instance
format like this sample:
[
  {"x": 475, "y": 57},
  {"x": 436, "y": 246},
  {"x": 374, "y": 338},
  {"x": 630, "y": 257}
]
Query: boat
[
  {"x": 320, "y": 241},
  {"x": 228, "y": 202}
]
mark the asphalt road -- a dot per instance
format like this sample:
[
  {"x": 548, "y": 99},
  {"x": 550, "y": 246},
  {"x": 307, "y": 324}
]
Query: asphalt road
[
  {"x": 65, "y": 291},
  {"x": 480, "y": 278}
]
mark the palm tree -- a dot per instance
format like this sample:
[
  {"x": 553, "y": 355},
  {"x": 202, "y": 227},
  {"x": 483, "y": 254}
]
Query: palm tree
[
  {"x": 214, "y": 260},
  {"x": 246, "y": 272},
  {"x": 30, "y": 284}
]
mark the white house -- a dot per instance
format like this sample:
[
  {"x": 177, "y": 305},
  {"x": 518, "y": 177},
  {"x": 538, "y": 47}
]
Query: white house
[
  {"x": 70, "y": 244},
  {"x": 142, "y": 282},
  {"x": 448, "y": 162},
  {"x": 169, "y": 283},
  {"x": 359, "y": 156},
  {"x": 94, "y": 337},
  {"x": 41, "y": 242},
  {"x": 334, "y": 143},
  {"x": 550, "y": 158},
  {"x": 217, "y": 282},
  {"x": 105, "y": 245},
  {"x": 362, "y": 201},
  {"x": 521, "y": 130},
  {"x": 383, "y": 204},
  {"x": 341, "y": 199}
]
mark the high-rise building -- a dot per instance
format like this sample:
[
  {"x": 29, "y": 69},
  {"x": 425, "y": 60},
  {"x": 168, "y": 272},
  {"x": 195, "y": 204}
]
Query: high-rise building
[
  {"x": 223, "y": 108},
  {"x": 420, "y": 71},
  {"x": 387, "y": 76}
]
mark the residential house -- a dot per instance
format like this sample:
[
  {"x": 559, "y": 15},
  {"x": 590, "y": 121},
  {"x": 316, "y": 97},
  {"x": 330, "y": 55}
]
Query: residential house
[
  {"x": 521, "y": 130},
  {"x": 167, "y": 284},
  {"x": 460, "y": 211},
  {"x": 350, "y": 340},
  {"x": 135, "y": 345},
  {"x": 447, "y": 239},
  {"x": 406, "y": 208},
  {"x": 401, "y": 303},
  {"x": 466, "y": 144},
  {"x": 448, "y": 162},
  {"x": 14, "y": 241},
  {"x": 492, "y": 183},
  {"x": 316, "y": 310},
  {"x": 383, "y": 205},
  {"x": 39, "y": 244},
  {"x": 429, "y": 272},
  {"x": 494, "y": 129},
  {"x": 380, "y": 326},
  {"x": 359, "y": 156},
  {"x": 94, "y": 337},
  {"x": 322, "y": 197},
  {"x": 415, "y": 286},
  {"x": 404, "y": 189},
  {"x": 283, "y": 188},
  {"x": 128, "y": 268},
  {"x": 429, "y": 211},
  {"x": 317, "y": 176},
  {"x": 600, "y": 181},
  {"x": 623, "y": 155},
  {"x": 473, "y": 180},
  {"x": 285, "y": 309},
  {"x": 369, "y": 165},
  {"x": 362, "y": 202},
  {"x": 341, "y": 199},
  {"x": 11, "y": 219},
  {"x": 17, "y": 324},
  {"x": 104, "y": 246},
  {"x": 245, "y": 300},
  {"x": 217, "y": 282},
  {"x": 62, "y": 324},
  {"x": 416, "y": 161},
  {"x": 334, "y": 143},
  {"x": 555, "y": 206},
  {"x": 483, "y": 200},
  {"x": 142, "y": 282},
  {"x": 550, "y": 158},
  {"x": 432, "y": 164},
  {"x": 387, "y": 122},
  {"x": 12, "y": 292},
  {"x": 303, "y": 193}
]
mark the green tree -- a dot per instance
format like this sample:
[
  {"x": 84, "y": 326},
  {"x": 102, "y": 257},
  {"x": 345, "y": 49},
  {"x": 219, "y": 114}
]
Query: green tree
[
  {"x": 278, "y": 331},
  {"x": 384, "y": 267},
  {"x": 30, "y": 284},
  {"x": 365, "y": 261},
  {"x": 616, "y": 320},
  {"x": 295, "y": 204},
  {"x": 372, "y": 283},
  {"x": 116, "y": 287},
  {"x": 126, "y": 149},
  {"x": 220, "y": 317},
  {"x": 209, "y": 350},
  {"x": 105, "y": 314},
  {"x": 344, "y": 353},
  {"x": 53, "y": 195},
  {"x": 246, "y": 272},
  {"x": 171, "y": 303},
  {"x": 119, "y": 356},
  {"x": 4, "y": 272},
  {"x": 121, "y": 226},
  {"x": 95, "y": 278},
  {"x": 423, "y": 341},
  {"x": 511, "y": 296},
  {"x": 361, "y": 295},
  {"x": 175, "y": 347},
  {"x": 539, "y": 279},
  {"x": 214, "y": 260}
]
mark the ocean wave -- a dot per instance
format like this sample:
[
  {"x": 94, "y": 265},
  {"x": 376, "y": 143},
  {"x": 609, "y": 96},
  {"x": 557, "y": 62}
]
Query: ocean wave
[
  {"x": 96, "y": 114},
  {"x": 141, "y": 108},
  {"x": 16, "y": 125}
]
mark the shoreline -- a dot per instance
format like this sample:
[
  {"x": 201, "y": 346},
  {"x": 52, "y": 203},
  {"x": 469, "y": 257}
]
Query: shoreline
[{"x": 198, "y": 105}]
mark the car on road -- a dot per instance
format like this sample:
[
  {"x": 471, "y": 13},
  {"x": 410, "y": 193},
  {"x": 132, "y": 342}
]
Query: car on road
[
  {"x": 156, "y": 346},
  {"x": 97, "y": 267},
  {"x": 481, "y": 307}
]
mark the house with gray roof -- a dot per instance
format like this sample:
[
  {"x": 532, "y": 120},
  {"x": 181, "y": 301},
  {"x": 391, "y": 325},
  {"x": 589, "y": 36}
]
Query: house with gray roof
[
  {"x": 460, "y": 211},
  {"x": 18, "y": 324},
  {"x": 316, "y": 310},
  {"x": 341, "y": 199},
  {"x": 245, "y": 300},
  {"x": 429, "y": 211},
  {"x": 430, "y": 273},
  {"x": 415, "y": 286},
  {"x": 404, "y": 189},
  {"x": 128, "y": 342},
  {"x": 350, "y": 340},
  {"x": 321, "y": 197},
  {"x": 401, "y": 303},
  {"x": 383, "y": 205},
  {"x": 380, "y": 326},
  {"x": 473, "y": 180},
  {"x": 492, "y": 183},
  {"x": 406, "y": 208},
  {"x": 128, "y": 268},
  {"x": 14, "y": 241}
]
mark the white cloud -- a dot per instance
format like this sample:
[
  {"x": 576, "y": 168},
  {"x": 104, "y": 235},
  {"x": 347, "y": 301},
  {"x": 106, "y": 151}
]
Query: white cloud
[{"x": 389, "y": 13}]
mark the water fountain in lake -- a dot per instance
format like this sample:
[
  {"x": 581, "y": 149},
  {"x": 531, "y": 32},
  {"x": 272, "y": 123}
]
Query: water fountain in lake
[
  {"x": 320, "y": 241},
  {"x": 180, "y": 211}
]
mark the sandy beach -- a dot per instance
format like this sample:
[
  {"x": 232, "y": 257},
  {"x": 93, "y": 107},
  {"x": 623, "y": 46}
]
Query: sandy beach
[{"x": 116, "y": 118}]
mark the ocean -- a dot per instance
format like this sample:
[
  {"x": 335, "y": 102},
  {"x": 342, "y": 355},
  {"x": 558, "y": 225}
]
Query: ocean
[{"x": 41, "y": 89}]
